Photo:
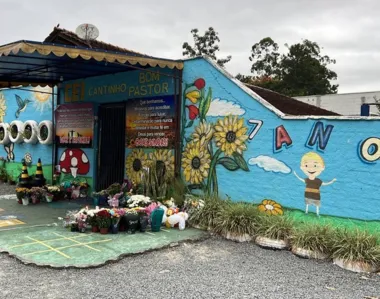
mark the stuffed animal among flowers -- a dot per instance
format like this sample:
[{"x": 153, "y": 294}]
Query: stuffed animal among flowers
[{"x": 179, "y": 218}]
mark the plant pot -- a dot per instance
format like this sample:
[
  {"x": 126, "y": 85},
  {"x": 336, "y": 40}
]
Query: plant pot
[
  {"x": 49, "y": 198},
  {"x": 354, "y": 266},
  {"x": 25, "y": 201},
  {"x": 143, "y": 223},
  {"x": 19, "y": 201},
  {"x": 115, "y": 228},
  {"x": 309, "y": 254},
  {"x": 132, "y": 221},
  {"x": 104, "y": 230},
  {"x": 95, "y": 229},
  {"x": 35, "y": 200},
  {"x": 271, "y": 243},
  {"x": 74, "y": 228},
  {"x": 121, "y": 228},
  {"x": 238, "y": 237}
]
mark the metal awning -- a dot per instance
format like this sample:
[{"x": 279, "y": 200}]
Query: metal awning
[{"x": 34, "y": 63}]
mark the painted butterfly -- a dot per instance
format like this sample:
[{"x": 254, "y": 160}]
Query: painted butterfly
[{"x": 9, "y": 149}]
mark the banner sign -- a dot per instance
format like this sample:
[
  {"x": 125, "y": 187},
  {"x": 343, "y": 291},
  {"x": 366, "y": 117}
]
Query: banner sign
[
  {"x": 74, "y": 125},
  {"x": 150, "y": 123}
]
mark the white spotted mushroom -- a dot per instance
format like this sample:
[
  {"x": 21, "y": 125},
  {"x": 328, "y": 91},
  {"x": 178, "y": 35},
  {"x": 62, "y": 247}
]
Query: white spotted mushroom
[{"x": 74, "y": 161}]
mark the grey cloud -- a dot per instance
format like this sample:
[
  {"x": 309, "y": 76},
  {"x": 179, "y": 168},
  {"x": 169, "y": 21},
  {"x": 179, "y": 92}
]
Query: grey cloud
[{"x": 347, "y": 30}]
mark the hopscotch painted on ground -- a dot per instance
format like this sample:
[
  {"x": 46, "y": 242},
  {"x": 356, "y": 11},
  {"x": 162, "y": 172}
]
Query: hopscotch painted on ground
[{"x": 73, "y": 242}]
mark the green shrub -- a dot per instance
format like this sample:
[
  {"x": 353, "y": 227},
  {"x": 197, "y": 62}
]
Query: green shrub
[
  {"x": 357, "y": 245},
  {"x": 177, "y": 190},
  {"x": 206, "y": 216},
  {"x": 312, "y": 237},
  {"x": 237, "y": 218},
  {"x": 274, "y": 227}
]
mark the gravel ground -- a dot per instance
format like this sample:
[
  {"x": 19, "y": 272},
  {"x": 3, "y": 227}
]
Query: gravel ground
[
  {"x": 211, "y": 269},
  {"x": 6, "y": 189}
]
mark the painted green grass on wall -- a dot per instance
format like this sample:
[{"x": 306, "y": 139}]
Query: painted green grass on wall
[
  {"x": 300, "y": 217},
  {"x": 14, "y": 169}
]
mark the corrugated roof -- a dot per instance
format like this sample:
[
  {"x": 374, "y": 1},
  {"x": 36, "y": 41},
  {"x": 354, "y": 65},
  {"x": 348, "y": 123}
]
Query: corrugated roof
[{"x": 287, "y": 104}]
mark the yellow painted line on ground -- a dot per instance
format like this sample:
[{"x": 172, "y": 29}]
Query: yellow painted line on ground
[
  {"x": 69, "y": 246},
  {"x": 149, "y": 233},
  {"x": 51, "y": 240},
  {"x": 72, "y": 239},
  {"x": 10, "y": 222},
  {"x": 48, "y": 246},
  {"x": 166, "y": 231}
]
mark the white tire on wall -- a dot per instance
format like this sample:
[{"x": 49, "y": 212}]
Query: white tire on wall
[
  {"x": 19, "y": 126},
  {"x": 45, "y": 137},
  {"x": 33, "y": 126},
  {"x": 5, "y": 140}
]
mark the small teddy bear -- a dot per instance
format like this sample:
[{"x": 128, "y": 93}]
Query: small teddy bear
[{"x": 179, "y": 218}]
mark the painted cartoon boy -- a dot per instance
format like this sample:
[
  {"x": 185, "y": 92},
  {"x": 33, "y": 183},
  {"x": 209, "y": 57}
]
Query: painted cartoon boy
[{"x": 313, "y": 165}]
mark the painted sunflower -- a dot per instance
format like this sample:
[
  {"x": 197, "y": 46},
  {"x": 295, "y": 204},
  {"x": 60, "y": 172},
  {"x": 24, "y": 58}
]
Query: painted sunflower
[
  {"x": 3, "y": 107},
  {"x": 270, "y": 207},
  {"x": 165, "y": 158},
  {"x": 135, "y": 163},
  {"x": 231, "y": 134},
  {"x": 195, "y": 163},
  {"x": 203, "y": 133}
]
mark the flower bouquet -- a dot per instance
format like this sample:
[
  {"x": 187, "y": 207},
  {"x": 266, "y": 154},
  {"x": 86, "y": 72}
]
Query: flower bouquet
[
  {"x": 82, "y": 221},
  {"x": 114, "y": 201},
  {"x": 92, "y": 220},
  {"x": 116, "y": 215},
  {"x": 104, "y": 221},
  {"x": 138, "y": 201},
  {"x": 23, "y": 195},
  {"x": 55, "y": 191},
  {"x": 36, "y": 194}
]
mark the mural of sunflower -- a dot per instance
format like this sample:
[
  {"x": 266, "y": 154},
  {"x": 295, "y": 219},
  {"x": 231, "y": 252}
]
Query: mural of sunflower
[
  {"x": 3, "y": 107},
  {"x": 270, "y": 207},
  {"x": 203, "y": 133},
  {"x": 231, "y": 134},
  {"x": 163, "y": 157},
  {"x": 135, "y": 163},
  {"x": 195, "y": 163}
]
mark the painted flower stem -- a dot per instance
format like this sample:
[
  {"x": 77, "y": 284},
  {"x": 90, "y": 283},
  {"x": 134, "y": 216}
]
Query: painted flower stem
[{"x": 212, "y": 170}]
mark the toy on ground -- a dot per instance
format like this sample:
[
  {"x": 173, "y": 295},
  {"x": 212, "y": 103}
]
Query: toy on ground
[{"x": 179, "y": 218}]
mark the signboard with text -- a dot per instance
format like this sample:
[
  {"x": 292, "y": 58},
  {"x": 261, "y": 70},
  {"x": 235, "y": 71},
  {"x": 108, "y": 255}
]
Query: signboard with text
[
  {"x": 74, "y": 125},
  {"x": 150, "y": 123}
]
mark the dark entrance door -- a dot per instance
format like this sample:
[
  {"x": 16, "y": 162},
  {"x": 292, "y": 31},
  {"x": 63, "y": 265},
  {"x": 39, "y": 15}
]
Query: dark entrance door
[{"x": 111, "y": 166}]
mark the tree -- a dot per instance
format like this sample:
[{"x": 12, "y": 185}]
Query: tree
[
  {"x": 299, "y": 72},
  {"x": 206, "y": 44}
]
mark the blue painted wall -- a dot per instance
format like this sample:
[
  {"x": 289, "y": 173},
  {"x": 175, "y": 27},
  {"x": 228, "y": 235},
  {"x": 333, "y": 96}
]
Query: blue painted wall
[
  {"x": 39, "y": 108},
  {"x": 270, "y": 173}
]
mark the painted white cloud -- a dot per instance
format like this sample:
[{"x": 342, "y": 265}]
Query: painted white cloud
[
  {"x": 219, "y": 107},
  {"x": 269, "y": 164}
]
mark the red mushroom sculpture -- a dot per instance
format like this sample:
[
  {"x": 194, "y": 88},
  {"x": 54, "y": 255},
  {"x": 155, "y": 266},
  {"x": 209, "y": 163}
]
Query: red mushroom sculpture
[{"x": 74, "y": 161}]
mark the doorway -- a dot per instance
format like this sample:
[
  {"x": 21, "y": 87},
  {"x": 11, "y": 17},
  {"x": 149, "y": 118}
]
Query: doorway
[{"x": 111, "y": 166}]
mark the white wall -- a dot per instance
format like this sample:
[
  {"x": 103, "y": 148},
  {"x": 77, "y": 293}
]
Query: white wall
[{"x": 344, "y": 104}]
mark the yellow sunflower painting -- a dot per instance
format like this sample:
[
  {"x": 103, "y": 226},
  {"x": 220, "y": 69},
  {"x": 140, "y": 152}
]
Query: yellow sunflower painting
[
  {"x": 3, "y": 107},
  {"x": 270, "y": 207},
  {"x": 231, "y": 134},
  {"x": 195, "y": 163},
  {"x": 163, "y": 157},
  {"x": 203, "y": 133},
  {"x": 135, "y": 163}
]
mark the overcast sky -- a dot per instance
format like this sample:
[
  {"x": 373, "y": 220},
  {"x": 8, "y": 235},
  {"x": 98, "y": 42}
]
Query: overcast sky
[{"x": 347, "y": 30}]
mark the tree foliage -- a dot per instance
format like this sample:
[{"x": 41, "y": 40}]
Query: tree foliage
[
  {"x": 206, "y": 44},
  {"x": 303, "y": 70}
]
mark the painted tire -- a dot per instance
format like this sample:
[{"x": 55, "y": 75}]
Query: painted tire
[
  {"x": 309, "y": 254},
  {"x": 34, "y": 127},
  {"x": 5, "y": 127},
  {"x": 238, "y": 237},
  {"x": 49, "y": 125},
  {"x": 359, "y": 267},
  {"x": 20, "y": 126},
  {"x": 271, "y": 243}
]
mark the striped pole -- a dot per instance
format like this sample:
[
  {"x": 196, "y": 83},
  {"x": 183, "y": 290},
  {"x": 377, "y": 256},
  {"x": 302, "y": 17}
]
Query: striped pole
[{"x": 39, "y": 177}]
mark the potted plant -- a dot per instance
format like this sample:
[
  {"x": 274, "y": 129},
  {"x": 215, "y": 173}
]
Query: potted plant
[
  {"x": 54, "y": 190},
  {"x": 273, "y": 231},
  {"x": 36, "y": 194},
  {"x": 104, "y": 221},
  {"x": 132, "y": 220},
  {"x": 312, "y": 241},
  {"x": 237, "y": 221},
  {"x": 92, "y": 220},
  {"x": 143, "y": 220},
  {"x": 23, "y": 195},
  {"x": 116, "y": 215},
  {"x": 356, "y": 250}
]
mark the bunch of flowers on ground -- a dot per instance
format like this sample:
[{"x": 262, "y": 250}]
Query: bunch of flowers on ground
[{"x": 138, "y": 201}]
